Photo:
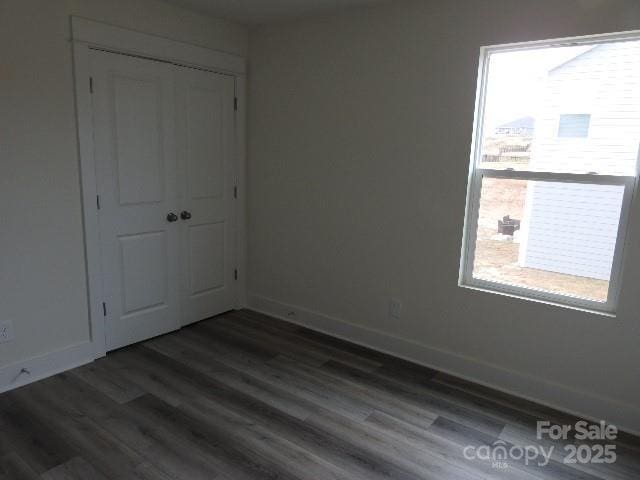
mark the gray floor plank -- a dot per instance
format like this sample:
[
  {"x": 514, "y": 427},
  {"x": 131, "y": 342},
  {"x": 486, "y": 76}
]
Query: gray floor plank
[
  {"x": 374, "y": 399},
  {"x": 244, "y": 396},
  {"x": 13, "y": 467},
  {"x": 75, "y": 469},
  {"x": 421, "y": 463},
  {"x": 293, "y": 338},
  {"x": 421, "y": 399},
  {"x": 427, "y": 440},
  {"x": 109, "y": 381}
]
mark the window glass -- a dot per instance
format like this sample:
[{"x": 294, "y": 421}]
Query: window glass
[
  {"x": 574, "y": 126},
  {"x": 556, "y": 237},
  {"x": 536, "y": 99}
]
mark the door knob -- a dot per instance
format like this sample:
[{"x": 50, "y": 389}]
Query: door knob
[
  {"x": 172, "y": 217},
  {"x": 185, "y": 215}
]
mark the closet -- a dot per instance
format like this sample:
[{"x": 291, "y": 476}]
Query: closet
[{"x": 164, "y": 159}]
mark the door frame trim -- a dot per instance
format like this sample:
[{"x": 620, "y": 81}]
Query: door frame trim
[{"x": 89, "y": 34}]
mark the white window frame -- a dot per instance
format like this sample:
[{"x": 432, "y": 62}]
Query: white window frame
[{"x": 476, "y": 174}]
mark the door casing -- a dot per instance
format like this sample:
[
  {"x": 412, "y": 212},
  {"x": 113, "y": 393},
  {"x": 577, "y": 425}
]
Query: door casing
[{"x": 89, "y": 34}]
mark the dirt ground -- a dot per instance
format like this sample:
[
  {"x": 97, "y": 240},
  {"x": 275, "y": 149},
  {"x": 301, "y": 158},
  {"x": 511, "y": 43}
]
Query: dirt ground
[{"x": 497, "y": 260}]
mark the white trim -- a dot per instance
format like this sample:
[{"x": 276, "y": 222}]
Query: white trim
[
  {"x": 89, "y": 34},
  {"x": 629, "y": 35},
  {"x": 89, "y": 189},
  {"x": 591, "y": 178},
  {"x": 44, "y": 366},
  {"x": 553, "y": 298},
  {"x": 121, "y": 40},
  {"x": 474, "y": 186},
  {"x": 573, "y": 401},
  {"x": 241, "y": 201},
  {"x": 472, "y": 182}
]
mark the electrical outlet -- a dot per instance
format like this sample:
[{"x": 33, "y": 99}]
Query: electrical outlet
[
  {"x": 6, "y": 332},
  {"x": 395, "y": 308}
]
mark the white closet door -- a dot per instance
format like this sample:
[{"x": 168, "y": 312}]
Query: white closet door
[
  {"x": 205, "y": 140},
  {"x": 134, "y": 130}
]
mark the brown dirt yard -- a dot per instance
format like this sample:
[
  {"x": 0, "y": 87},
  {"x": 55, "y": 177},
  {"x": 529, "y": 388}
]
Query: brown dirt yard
[{"x": 497, "y": 260}]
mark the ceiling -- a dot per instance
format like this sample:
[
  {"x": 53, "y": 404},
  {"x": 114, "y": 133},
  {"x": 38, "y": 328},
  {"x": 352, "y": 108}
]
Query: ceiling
[{"x": 255, "y": 12}]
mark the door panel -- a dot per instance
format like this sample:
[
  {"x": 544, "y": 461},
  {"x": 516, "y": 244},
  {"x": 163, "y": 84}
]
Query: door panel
[
  {"x": 205, "y": 140},
  {"x": 137, "y": 136},
  {"x": 133, "y": 105},
  {"x": 144, "y": 279},
  {"x": 206, "y": 257}
]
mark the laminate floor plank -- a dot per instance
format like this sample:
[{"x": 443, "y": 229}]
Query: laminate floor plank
[
  {"x": 243, "y": 396},
  {"x": 332, "y": 449},
  {"x": 75, "y": 469},
  {"x": 293, "y": 338},
  {"x": 288, "y": 460},
  {"x": 269, "y": 321},
  {"x": 232, "y": 374},
  {"x": 15, "y": 468},
  {"x": 424, "y": 400},
  {"x": 233, "y": 340},
  {"x": 276, "y": 344},
  {"x": 471, "y": 400},
  {"x": 426, "y": 440},
  {"x": 109, "y": 381},
  {"x": 366, "y": 352},
  {"x": 374, "y": 399},
  {"x": 276, "y": 386},
  {"x": 505, "y": 399},
  {"x": 627, "y": 464},
  {"x": 241, "y": 448},
  {"x": 421, "y": 463},
  {"x": 463, "y": 436},
  {"x": 36, "y": 442}
]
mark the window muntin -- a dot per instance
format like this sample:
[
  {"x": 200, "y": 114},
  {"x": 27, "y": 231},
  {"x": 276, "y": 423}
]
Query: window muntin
[{"x": 561, "y": 188}]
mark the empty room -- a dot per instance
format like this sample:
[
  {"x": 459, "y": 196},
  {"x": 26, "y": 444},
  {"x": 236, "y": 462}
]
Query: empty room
[{"x": 319, "y": 239}]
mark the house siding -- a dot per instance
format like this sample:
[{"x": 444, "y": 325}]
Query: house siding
[{"x": 572, "y": 228}]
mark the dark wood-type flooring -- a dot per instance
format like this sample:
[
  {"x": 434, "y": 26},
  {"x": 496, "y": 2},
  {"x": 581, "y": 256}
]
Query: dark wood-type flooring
[{"x": 245, "y": 396}]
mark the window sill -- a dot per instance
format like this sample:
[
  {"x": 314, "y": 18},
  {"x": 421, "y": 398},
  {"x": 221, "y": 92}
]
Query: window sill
[{"x": 579, "y": 308}]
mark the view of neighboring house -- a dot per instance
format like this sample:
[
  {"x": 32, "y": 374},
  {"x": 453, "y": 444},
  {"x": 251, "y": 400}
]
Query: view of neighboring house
[{"x": 587, "y": 122}]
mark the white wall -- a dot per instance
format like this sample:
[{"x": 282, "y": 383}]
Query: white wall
[
  {"x": 42, "y": 268},
  {"x": 360, "y": 130}
]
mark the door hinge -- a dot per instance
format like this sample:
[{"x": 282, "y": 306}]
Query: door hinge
[
  {"x": 235, "y": 191},
  {"x": 235, "y": 103},
  {"x": 104, "y": 309},
  {"x": 235, "y": 274},
  {"x": 90, "y": 84},
  {"x": 98, "y": 201}
]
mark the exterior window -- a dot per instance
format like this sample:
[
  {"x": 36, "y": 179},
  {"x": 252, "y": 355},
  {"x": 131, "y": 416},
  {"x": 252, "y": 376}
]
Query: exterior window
[
  {"x": 546, "y": 219},
  {"x": 574, "y": 126}
]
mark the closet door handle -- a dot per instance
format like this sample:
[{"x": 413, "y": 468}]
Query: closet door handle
[
  {"x": 172, "y": 217},
  {"x": 184, "y": 215}
]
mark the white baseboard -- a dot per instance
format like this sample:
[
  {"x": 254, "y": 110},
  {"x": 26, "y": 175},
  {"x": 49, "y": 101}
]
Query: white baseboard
[
  {"x": 43, "y": 366},
  {"x": 573, "y": 401}
]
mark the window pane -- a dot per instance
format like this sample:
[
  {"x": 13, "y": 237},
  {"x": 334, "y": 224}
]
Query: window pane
[
  {"x": 553, "y": 236},
  {"x": 564, "y": 109},
  {"x": 574, "y": 126}
]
